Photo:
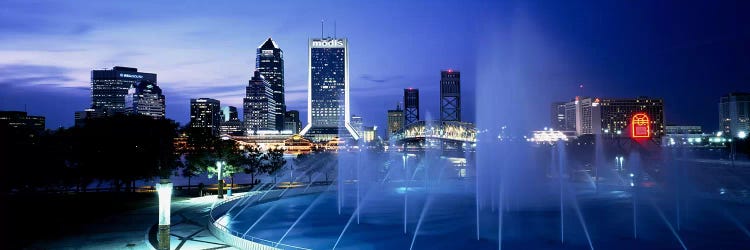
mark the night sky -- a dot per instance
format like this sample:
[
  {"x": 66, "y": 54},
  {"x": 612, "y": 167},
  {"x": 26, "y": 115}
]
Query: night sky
[{"x": 689, "y": 53}]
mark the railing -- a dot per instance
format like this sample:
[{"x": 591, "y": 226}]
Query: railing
[{"x": 236, "y": 239}]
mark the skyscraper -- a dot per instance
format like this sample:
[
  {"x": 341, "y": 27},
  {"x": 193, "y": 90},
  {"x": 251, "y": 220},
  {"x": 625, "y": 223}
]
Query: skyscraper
[
  {"x": 450, "y": 95},
  {"x": 292, "y": 122},
  {"x": 205, "y": 115},
  {"x": 148, "y": 100},
  {"x": 230, "y": 122},
  {"x": 411, "y": 106},
  {"x": 328, "y": 94},
  {"x": 557, "y": 116},
  {"x": 357, "y": 123},
  {"x": 109, "y": 88},
  {"x": 395, "y": 121},
  {"x": 259, "y": 105},
  {"x": 270, "y": 62},
  {"x": 734, "y": 113}
]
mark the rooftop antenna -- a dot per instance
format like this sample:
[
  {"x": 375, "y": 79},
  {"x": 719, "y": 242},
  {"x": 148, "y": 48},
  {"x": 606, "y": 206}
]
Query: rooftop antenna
[
  {"x": 334, "y": 29},
  {"x": 321, "y": 29}
]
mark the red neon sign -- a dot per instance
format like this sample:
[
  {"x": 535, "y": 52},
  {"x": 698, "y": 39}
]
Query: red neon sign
[{"x": 640, "y": 126}]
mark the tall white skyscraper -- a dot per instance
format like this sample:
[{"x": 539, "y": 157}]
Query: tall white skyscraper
[{"x": 328, "y": 90}]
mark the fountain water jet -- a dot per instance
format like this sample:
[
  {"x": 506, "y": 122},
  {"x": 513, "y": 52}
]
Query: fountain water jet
[{"x": 669, "y": 225}]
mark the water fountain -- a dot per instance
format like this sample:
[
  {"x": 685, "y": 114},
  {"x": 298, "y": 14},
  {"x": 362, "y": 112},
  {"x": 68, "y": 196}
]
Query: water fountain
[{"x": 521, "y": 195}]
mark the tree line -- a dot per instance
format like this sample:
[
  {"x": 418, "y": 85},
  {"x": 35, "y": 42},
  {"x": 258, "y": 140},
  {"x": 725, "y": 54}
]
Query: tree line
[{"x": 119, "y": 150}]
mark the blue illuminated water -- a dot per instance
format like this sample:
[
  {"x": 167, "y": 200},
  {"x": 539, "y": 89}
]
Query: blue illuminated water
[{"x": 529, "y": 224}]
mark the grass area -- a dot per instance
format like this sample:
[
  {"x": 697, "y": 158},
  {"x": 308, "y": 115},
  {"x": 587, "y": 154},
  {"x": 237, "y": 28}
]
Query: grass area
[{"x": 31, "y": 217}]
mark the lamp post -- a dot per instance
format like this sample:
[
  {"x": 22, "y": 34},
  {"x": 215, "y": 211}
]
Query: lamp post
[
  {"x": 221, "y": 186},
  {"x": 164, "y": 190}
]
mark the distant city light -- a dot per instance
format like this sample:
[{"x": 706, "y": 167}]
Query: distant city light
[{"x": 741, "y": 134}]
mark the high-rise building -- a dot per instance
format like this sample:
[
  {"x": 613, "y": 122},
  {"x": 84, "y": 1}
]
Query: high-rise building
[
  {"x": 110, "y": 88},
  {"x": 357, "y": 123},
  {"x": 148, "y": 100},
  {"x": 21, "y": 120},
  {"x": 734, "y": 113},
  {"x": 450, "y": 95},
  {"x": 557, "y": 117},
  {"x": 270, "y": 62},
  {"x": 411, "y": 106},
  {"x": 616, "y": 114},
  {"x": 292, "y": 122},
  {"x": 82, "y": 116},
  {"x": 230, "y": 122},
  {"x": 328, "y": 94},
  {"x": 588, "y": 116},
  {"x": 395, "y": 121},
  {"x": 259, "y": 105},
  {"x": 368, "y": 133},
  {"x": 611, "y": 115},
  {"x": 205, "y": 115},
  {"x": 570, "y": 116}
]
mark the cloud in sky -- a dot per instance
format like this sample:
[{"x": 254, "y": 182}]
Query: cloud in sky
[{"x": 207, "y": 49}]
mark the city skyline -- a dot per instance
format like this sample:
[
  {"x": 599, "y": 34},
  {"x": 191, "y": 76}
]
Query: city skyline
[{"x": 645, "y": 64}]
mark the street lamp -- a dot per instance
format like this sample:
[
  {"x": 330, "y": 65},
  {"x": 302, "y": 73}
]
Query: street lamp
[
  {"x": 221, "y": 186},
  {"x": 164, "y": 190}
]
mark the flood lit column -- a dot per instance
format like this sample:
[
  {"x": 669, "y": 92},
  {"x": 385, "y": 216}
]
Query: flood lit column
[
  {"x": 221, "y": 187},
  {"x": 164, "y": 190}
]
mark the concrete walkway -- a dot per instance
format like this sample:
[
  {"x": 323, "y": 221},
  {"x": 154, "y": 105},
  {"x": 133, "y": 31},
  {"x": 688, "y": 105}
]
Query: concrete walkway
[{"x": 131, "y": 230}]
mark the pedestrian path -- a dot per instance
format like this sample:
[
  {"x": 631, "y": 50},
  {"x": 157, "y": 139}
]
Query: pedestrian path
[{"x": 137, "y": 229}]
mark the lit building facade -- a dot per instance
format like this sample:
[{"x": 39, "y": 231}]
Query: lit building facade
[
  {"x": 450, "y": 95},
  {"x": 328, "y": 114},
  {"x": 82, "y": 116},
  {"x": 292, "y": 122},
  {"x": 588, "y": 116},
  {"x": 270, "y": 62},
  {"x": 230, "y": 122},
  {"x": 21, "y": 120},
  {"x": 259, "y": 105},
  {"x": 685, "y": 136},
  {"x": 411, "y": 106},
  {"x": 617, "y": 112},
  {"x": 205, "y": 115},
  {"x": 395, "y": 121},
  {"x": 357, "y": 123},
  {"x": 734, "y": 113},
  {"x": 609, "y": 116},
  {"x": 369, "y": 133},
  {"x": 110, "y": 88},
  {"x": 557, "y": 116},
  {"x": 148, "y": 100}
]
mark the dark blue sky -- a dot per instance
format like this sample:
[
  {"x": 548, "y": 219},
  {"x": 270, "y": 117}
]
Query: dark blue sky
[{"x": 530, "y": 52}]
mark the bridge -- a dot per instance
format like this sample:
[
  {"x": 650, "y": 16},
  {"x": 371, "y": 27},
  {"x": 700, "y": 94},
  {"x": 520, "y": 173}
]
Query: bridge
[{"x": 443, "y": 135}]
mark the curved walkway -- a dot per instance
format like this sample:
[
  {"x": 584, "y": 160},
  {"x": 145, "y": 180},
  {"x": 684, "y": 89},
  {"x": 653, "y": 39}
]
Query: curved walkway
[{"x": 133, "y": 230}]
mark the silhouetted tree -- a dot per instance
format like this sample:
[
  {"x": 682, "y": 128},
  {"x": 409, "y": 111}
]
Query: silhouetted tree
[
  {"x": 274, "y": 161},
  {"x": 251, "y": 162},
  {"x": 125, "y": 148}
]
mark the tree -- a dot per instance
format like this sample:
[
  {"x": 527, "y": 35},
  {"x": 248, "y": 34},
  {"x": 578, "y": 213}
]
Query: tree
[
  {"x": 251, "y": 162},
  {"x": 189, "y": 168},
  {"x": 125, "y": 148},
  {"x": 226, "y": 151},
  {"x": 274, "y": 161}
]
